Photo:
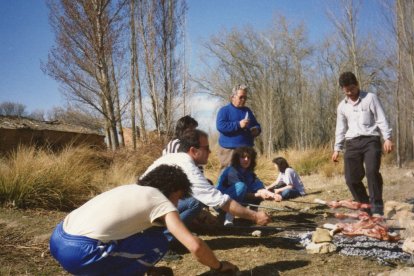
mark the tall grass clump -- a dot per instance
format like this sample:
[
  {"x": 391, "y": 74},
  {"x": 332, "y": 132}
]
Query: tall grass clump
[
  {"x": 31, "y": 178},
  {"x": 307, "y": 161},
  {"x": 127, "y": 165}
]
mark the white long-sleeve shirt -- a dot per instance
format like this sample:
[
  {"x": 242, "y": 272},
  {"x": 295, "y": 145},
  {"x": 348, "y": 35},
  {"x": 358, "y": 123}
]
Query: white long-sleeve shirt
[
  {"x": 365, "y": 117},
  {"x": 202, "y": 190}
]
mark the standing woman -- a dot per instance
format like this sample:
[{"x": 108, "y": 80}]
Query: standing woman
[
  {"x": 288, "y": 183},
  {"x": 240, "y": 182}
]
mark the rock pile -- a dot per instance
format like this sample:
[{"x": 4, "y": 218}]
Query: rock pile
[{"x": 320, "y": 242}]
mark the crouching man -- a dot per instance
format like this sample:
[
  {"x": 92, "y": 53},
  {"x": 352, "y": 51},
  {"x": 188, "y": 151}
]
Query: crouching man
[{"x": 120, "y": 232}]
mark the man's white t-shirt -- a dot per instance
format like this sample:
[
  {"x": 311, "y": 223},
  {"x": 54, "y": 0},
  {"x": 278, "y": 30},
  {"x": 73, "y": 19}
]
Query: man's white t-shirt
[{"x": 118, "y": 213}]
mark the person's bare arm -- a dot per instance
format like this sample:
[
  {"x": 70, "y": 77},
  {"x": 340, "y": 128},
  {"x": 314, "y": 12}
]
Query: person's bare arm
[
  {"x": 388, "y": 146},
  {"x": 195, "y": 245},
  {"x": 271, "y": 185},
  {"x": 236, "y": 209},
  {"x": 335, "y": 156},
  {"x": 288, "y": 186}
]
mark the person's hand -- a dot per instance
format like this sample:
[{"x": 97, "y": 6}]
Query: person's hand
[
  {"x": 388, "y": 146},
  {"x": 261, "y": 218},
  {"x": 228, "y": 267},
  {"x": 264, "y": 193},
  {"x": 254, "y": 131},
  {"x": 335, "y": 156},
  {"x": 244, "y": 123},
  {"x": 277, "y": 197}
]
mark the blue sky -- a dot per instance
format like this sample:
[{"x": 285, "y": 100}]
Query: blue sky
[{"x": 26, "y": 37}]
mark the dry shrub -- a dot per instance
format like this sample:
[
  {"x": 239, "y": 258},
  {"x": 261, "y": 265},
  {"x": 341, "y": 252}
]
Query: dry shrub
[
  {"x": 308, "y": 161},
  {"x": 32, "y": 178},
  {"x": 265, "y": 170},
  {"x": 332, "y": 169},
  {"x": 128, "y": 165}
]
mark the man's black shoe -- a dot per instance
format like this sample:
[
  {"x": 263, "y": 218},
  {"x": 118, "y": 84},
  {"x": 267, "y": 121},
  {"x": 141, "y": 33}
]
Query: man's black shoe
[{"x": 171, "y": 256}]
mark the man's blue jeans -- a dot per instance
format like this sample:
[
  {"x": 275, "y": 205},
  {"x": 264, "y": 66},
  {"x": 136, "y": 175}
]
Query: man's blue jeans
[{"x": 188, "y": 208}]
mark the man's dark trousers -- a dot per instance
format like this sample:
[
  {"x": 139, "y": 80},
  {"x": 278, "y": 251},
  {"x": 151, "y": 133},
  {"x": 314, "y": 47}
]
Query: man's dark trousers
[{"x": 360, "y": 151}]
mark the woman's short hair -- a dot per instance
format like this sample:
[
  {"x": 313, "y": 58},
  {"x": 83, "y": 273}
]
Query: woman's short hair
[
  {"x": 243, "y": 152},
  {"x": 281, "y": 163},
  {"x": 167, "y": 179}
]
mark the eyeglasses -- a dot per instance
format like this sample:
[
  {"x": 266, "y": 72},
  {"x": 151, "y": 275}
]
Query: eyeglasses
[
  {"x": 207, "y": 148},
  {"x": 242, "y": 97}
]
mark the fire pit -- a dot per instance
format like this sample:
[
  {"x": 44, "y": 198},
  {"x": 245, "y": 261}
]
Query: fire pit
[{"x": 384, "y": 252}]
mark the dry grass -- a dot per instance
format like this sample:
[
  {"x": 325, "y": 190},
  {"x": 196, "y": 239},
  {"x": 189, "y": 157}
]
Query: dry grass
[
  {"x": 31, "y": 178},
  {"x": 127, "y": 165}
]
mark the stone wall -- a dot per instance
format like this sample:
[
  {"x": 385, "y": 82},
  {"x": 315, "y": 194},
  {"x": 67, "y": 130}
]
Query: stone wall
[{"x": 10, "y": 139}]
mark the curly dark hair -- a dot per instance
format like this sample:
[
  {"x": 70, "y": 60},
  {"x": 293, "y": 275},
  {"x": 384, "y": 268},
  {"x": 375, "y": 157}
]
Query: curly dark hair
[
  {"x": 243, "y": 152},
  {"x": 168, "y": 179},
  {"x": 184, "y": 123},
  {"x": 347, "y": 78},
  {"x": 281, "y": 163}
]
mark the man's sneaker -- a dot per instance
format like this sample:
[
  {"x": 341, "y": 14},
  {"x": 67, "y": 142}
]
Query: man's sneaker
[
  {"x": 228, "y": 219},
  {"x": 171, "y": 256}
]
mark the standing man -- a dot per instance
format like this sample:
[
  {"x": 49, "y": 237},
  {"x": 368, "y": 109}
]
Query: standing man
[
  {"x": 360, "y": 122},
  {"x": 237, "y": 125}
]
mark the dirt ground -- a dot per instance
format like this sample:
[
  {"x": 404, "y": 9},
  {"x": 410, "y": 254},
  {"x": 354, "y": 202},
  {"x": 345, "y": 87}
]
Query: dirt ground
[{"x": 24, "y": 237}]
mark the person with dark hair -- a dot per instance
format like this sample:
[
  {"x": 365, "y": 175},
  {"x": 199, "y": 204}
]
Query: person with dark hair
[
  {"x": 288, "y": 183},
  {"x": 240, "y": 182},
  {"x": 119, "y": 232},
  {"x": 236, "y": 124},
  {"x": 184, "y": 123},
  {"x": 194, "y": 150},
  {"x": 360, "y": 122}
]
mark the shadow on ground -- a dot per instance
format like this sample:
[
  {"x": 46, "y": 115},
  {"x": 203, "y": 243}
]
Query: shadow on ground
[
  {"x": 224, "y": 243},
  {"x": 267, "y": 269}
]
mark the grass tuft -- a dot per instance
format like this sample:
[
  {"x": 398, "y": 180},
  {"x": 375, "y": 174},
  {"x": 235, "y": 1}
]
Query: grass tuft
[{"x": 39, "y": 178}]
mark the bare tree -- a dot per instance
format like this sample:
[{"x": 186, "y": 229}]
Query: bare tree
[
  {"x": 160, "y": 25},
  {"x": 404, "y": 30},
  {"x": 86, "y": 36},
  {"x": 12, "y": 109},
  {"x": 272, "y": 64}
]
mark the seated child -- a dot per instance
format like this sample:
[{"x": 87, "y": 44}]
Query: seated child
[
  {"x": 288, "y": 183},
  {"x": 240, "y": 182}
]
